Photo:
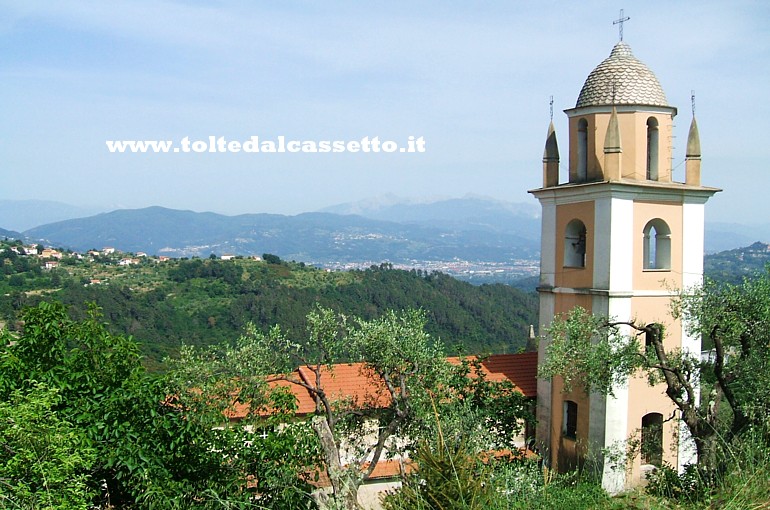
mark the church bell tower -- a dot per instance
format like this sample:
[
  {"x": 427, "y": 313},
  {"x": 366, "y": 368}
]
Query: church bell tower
[{"x": 616, "y": 238}]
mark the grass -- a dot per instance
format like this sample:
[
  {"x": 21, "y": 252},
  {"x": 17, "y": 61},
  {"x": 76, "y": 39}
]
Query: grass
[{"x": 743, "y": 485}]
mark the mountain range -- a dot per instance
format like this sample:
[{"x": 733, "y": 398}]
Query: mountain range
[
  {"x": 384, "y": 229},
  {"x": 490, "y": 232}
]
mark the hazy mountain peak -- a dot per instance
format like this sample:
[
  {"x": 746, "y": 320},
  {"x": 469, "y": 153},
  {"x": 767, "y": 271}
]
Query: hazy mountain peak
[
  {"x": 429, "y": 209},
  {"x": 377, "y": 203},
  {"x": 21, "y": 215}
]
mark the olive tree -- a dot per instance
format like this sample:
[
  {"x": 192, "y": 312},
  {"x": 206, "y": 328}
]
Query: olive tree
[
  {"x": 398, "y": 357},
  {"x": 596, "y": 352}
]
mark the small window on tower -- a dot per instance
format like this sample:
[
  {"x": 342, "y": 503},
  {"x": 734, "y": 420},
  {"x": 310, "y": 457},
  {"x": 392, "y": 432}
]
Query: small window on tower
[
  {"x": 652, "y": 149},
  {"x": 575, "y": 244},
  {"x": 569, "y": 420},
  {"x": 652, "y": 332},
  {"x": 657, "y": 245},
  {"x": 582, "y": 151},
  {"x": 652, "y": 439}
]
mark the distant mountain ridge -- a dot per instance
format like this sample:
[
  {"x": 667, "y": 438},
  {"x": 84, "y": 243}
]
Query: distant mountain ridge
[
  {"x": 729, "y": 236},
  {"x": 309, "y": 237},
  {"x": 10, "y": 234},
  {"x": 386, "y": 228},
  {"x": 465, "y": 214}
]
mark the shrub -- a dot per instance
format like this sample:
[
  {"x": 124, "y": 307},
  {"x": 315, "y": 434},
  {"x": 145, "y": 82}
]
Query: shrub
[
  {"x": 689, "y": 486},
  {"x": 448, "y": 478}
]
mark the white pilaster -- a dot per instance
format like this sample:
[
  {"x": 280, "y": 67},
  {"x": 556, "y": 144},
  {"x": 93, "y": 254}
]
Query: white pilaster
[
  {"x": 616, "y": 415},
  {"x": 621, "y": 252},
  {"x": 548, "y": 243},
  {"x": 693, "y": 215},
  {"x": 544, "y": 404}
]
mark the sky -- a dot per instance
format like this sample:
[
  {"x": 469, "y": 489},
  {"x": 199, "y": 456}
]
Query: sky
[{"x": 472, "y": 78}]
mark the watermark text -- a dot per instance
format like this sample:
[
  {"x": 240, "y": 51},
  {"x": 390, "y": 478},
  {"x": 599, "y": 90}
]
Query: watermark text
[{"x": 256, "y": 144}]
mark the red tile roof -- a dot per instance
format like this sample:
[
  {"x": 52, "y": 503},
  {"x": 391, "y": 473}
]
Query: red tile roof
[
  {"x": 355, "y": 382},
  {"x": 350, "y": 381},
  {"x": 520, "y": 369},
  {"x": 384, "y": 470}
]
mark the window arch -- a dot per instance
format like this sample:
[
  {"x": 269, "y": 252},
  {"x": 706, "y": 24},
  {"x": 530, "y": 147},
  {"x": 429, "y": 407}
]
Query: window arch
[
  {"x": 582, "y": 151},
  {"x": 657, "y": 245},
  {"x": 575, "y": 244},
  {"x": 652, "y": 439},
  {"x": 652, "y": 149},
  {"x": 569, "y": 419}
]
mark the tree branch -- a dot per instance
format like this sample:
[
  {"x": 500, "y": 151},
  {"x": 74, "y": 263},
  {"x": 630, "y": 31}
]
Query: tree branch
[{"x": 739, "y": 419}]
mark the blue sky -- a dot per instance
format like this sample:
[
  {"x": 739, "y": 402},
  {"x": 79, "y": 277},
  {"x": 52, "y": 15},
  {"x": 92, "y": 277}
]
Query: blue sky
[{"x": 472, "y": 78}]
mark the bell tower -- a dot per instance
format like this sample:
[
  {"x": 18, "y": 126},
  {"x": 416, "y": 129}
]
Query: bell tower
[{"x": 616, "y": 238}]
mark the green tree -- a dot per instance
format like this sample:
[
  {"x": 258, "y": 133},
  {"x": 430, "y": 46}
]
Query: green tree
[
  {"x": 278, "y": 462},
  {"x": 411, "y": 385},
  {"x": 44, "y": 462},
  {"x": 593, "y": 352},
  {"x": 398, "y": 356},
  {"x": 271, "y": 259},
  {"x": 135, "y": 439}
]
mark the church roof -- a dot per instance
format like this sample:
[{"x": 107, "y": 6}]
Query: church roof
[{"x": 633, "y": 82}]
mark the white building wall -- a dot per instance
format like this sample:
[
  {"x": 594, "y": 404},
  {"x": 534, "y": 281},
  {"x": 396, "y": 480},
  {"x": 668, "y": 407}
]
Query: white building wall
[{"x": 618, "y": 261}]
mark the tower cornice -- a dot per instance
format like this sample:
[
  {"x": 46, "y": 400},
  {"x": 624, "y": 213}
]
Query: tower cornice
[
  {"x": 628, "y": 189},
  {"x": 621, "y": 108}
]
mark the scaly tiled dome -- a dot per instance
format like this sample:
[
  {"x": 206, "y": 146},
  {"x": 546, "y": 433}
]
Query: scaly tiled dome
[{"x": 634, "y": 82}]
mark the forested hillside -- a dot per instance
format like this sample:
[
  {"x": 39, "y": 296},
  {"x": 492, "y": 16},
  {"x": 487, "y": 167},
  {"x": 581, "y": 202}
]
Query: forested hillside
[
  {"x": 734, "y": 265},
  {"x": 203, "y": 301}
]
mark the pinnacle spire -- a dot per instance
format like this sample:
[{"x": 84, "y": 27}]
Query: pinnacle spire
[
  {"x": 692, "y": 158},
  {"x": 551, "y": 151},
  {"x": 551, "y": 159},
  {"x": 612, "y": 137},
  {"x": 693, "y": 141}
]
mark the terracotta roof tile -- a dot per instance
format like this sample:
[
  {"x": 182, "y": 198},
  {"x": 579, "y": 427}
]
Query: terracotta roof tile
[
  {"x": 520, "y": 369},
  {"x": 353, "y": 381}
]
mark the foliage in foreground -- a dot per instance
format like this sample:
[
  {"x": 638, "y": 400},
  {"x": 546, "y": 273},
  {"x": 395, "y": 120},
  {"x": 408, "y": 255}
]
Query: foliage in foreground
[
  {"x": 81, "y": 423},
  {"x": 744, "y": 481},
  {"x": 449, "y": 478},
  {"x": 527, "y": 485},
  {"x": 405, "y": 372},
  {"x": 43, "y": 461},
  {"x": 93, "y": 427}
]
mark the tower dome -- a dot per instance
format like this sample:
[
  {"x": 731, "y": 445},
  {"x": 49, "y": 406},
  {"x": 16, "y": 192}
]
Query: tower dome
[{"x": 632, "y": 81}]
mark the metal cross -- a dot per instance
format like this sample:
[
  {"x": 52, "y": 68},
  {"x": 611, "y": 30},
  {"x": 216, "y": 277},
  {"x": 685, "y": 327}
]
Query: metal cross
[
  {"x": 551, "y": 107},
  {"x": 692, "y": 101},
  {"x": 622, "y": 19}
]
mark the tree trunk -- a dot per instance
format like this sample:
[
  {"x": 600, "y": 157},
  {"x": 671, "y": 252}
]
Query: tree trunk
[
  {"x": 706, "y": 446},
  {"x": 344, "y": 483}
]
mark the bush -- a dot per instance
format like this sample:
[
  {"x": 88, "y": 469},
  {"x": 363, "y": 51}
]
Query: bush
[
  {"x": 689, "y": 486},
  {"x": 528, "y": 485},
  {"x": 447, "y": 478},
  {"x": 43, "y": 460}
]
